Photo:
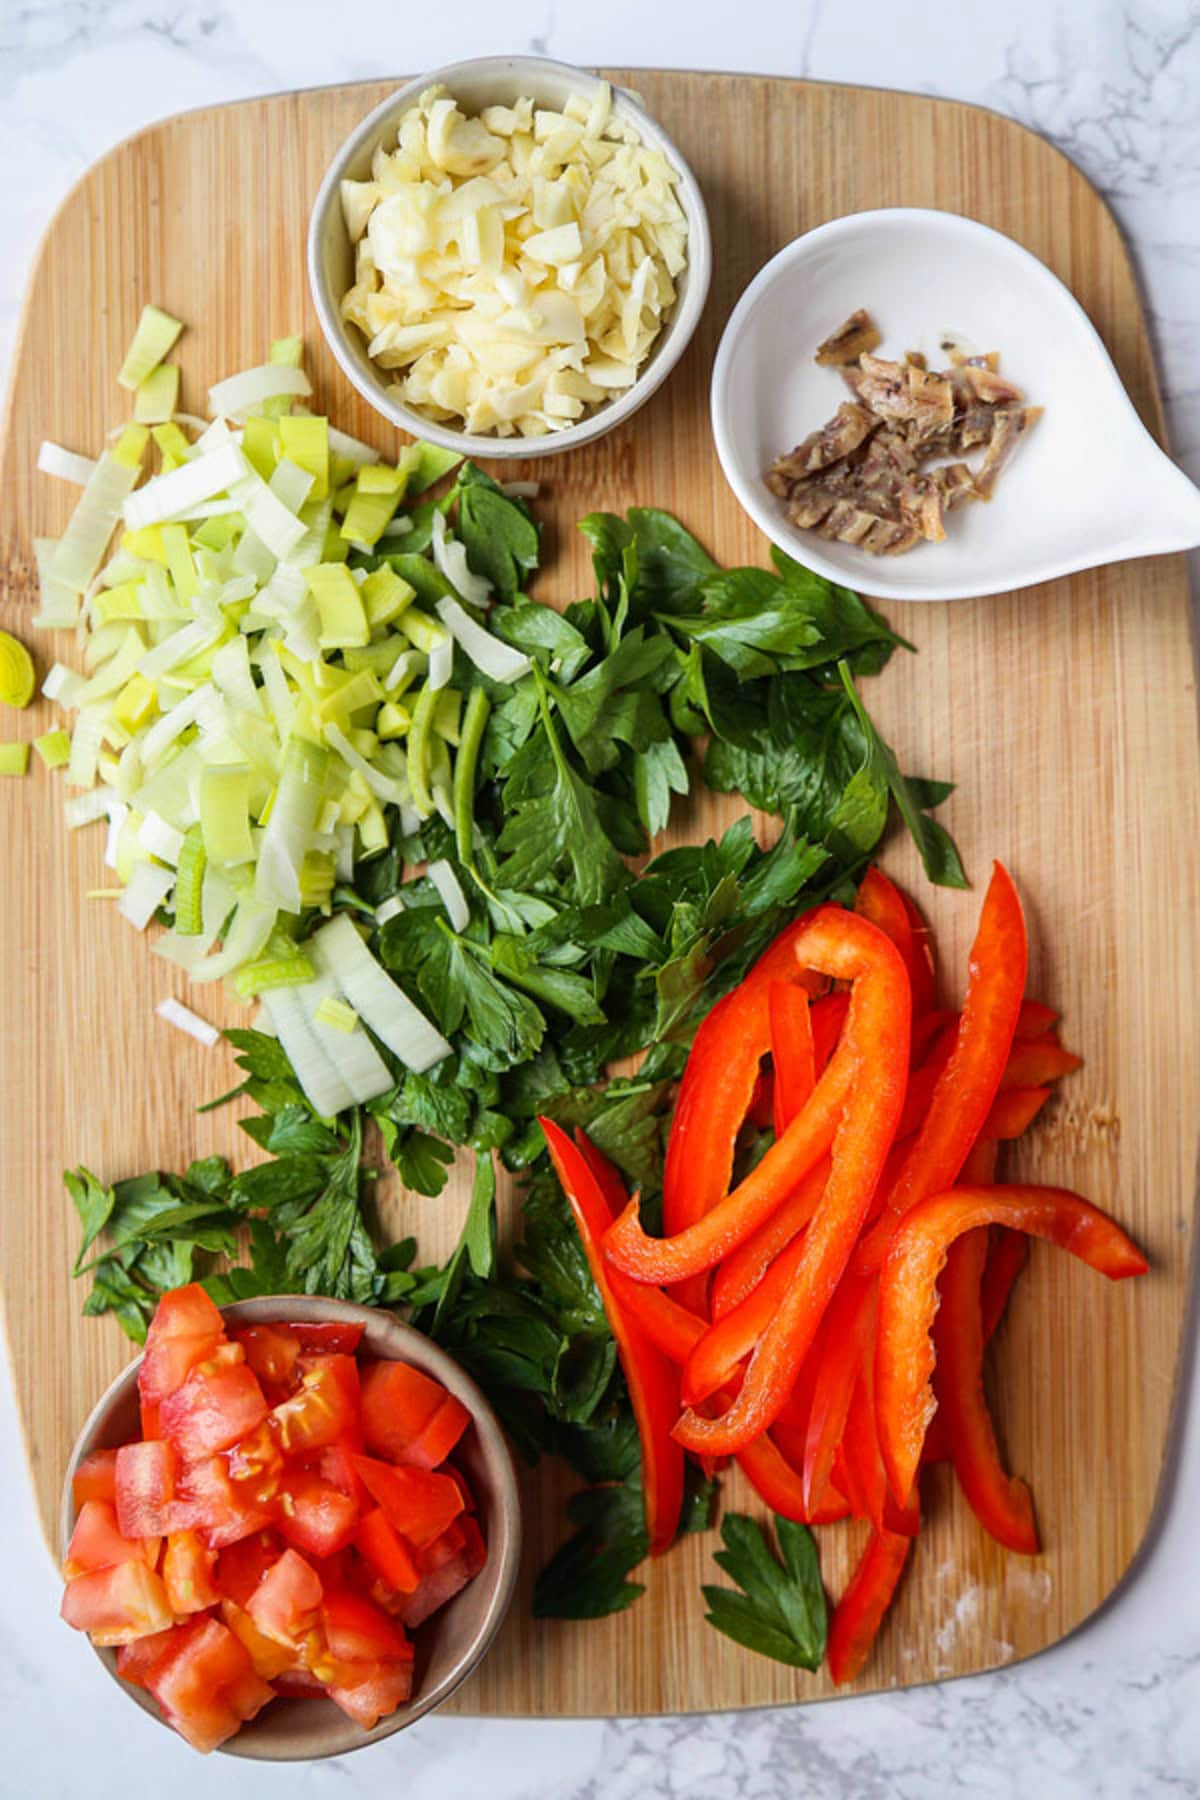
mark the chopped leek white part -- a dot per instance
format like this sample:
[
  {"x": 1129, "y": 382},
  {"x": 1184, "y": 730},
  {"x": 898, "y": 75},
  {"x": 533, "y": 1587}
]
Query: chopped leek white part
[
  {"x": 59, "y": 608},
  {"x": 349, "y": 1048},
  {"x": 294, "y": 815},
  {"x": 181, "y": 490},
  {"x": 387, "y": 909},
  {"x": 85, "y": 809},
  {"x": 155, "y": 335},
  {"x": 82, "y": 545},
  {"x": 353, "y": 449},
  {"x": 385, "y": 786},
  {"x": 497, "y": 660},
  {"x": 239, "y": 395},
  {"x": 251, "y": 927},
  {"x": 176, "y": 1013},
  {"x": 148, "y": 886},
  {"x": 160, "y": 839},
  {"x": 314, "y": 1067},
  {"x": 66, "y": 465},
  {"x": 450, "y": 557},
  {"x": 118, "y": 812},
  {"x": 450, "y": 889},
  {"x": 376, "y": 998}
]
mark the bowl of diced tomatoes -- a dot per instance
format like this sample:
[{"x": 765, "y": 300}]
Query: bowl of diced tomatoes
[{"x": 291, "y": 1527}]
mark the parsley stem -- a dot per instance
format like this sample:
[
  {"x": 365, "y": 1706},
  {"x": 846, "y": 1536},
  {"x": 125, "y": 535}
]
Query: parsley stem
[{"x": 466, "y": 764}]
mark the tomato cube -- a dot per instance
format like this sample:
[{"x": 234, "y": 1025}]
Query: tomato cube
[
  {"x": 286, "y": 1602},
  {"x": 135, "y": 1661},
  {"x": 474, "y": 1547},
  {"x": 187, "y": 1573},
  {"x": 314, "y": 1515},
  {"x": 256, "y": 1464},
  {"x": 378, "y": 1542},
  {"x": 376, "y": 1693},
  {"x": 185, "y": 1330},
  {"x": 336, "y": 1466},
  {"x": 269, "y": 1659},
  {"x": 397, "y": 1403},
  {"x": 437, "y": 1587},
  {"x": 357, "y": 1631},
  {"x": 272, "y": 1352},
  {"x": 436, "y": 1440},
  {"x": 242, "y": 1566},
  {"x": 213, "y": 1409},
  {"x": 117, "y": 1605},
  {"x": 324, "y": 1410},
  {"x": 96, "y": 1543},
  {"x": 210, "y": 1502},
  {"x": 144, "y": 1487},
  {"x": 96, "y": 1478},
  {"x": 327, "y": 1335},
  {"x": 206, "y": 1684},
  {"x": 419, "y": 1502}
]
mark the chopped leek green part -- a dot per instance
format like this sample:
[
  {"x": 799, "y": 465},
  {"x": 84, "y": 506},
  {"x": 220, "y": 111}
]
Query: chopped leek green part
[
  {"x": 130, "y": 447},
  {"x": 288, "y": 351},
  {"x": 428, "y": 464},
  {"x": 158, "y": 396},
  {"x": 372, "y": 829},
  {"x": 17, "y": 679},
  {"x": 316, "y": 878},
  {"x": 156, "y": 333},
  {"x": 268, "y": 972},
  {"x": 385, "y": 596},
  {"x": 54, "y": 748},
  {"x": 379, "y": 478},
  {"x": 14, "y": 759},
  {"x": 418, "y": 760},
  {"x": 378, "y": 491},
  {"x": 337, "y": 1014},
  {"x": 225, "y": 815},
  {"x": 121, "y": 602},
  {"x": 172, "y": 444},
  {"x": 392, "y": 720},
  {"x": 147, "y": 544},
  {"x": 363, "y": 689},
  {"x": 189, "y": 883},
  {"x": 260, "y": 445},
  {"x": 343, "y": 621},
  {"x": 305, "y": 442},
  {"x": 449, "y": 712},
  {"x": 180, "y": 564},
  {"x": 422, "y": 632},
  {"x": 135, "y": 703}
]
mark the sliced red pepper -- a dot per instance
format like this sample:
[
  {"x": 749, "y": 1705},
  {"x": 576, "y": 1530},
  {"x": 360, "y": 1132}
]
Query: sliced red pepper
[
  {"x": 1001, "y": 1503},
  {"x": 926, "y": 1029},
  {"x": 860, "y": 1611},
  {"x": 652, "y": 1379},
  {"x": 715, "y": 1359},
  {"x": 908, "y": 1293},
  {"x": 792, "y": 1056},
  {"x": 958, "y": 1113},
  {"x": 1035, "y": 1062},
  {"x": 1013, "y": 1113},
  {"x": 843, "y": 1342},
  {"x": 923, "y": 969},
  {"x": 1035, "y": 1020},
  {"x": 778, "y": 1484},
  {"x": 882, "y": 902},
  {"x": 1007, "y": 1256},
  {"x": 745, "y": 1267},
  {"x": 827, "y": 1018},
  {"x": 876, "y": 1046}
]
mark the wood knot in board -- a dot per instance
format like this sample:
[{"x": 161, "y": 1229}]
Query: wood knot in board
[
  {"x": 1081, "y": 1126},
  {"x": 19, "y": 589}
]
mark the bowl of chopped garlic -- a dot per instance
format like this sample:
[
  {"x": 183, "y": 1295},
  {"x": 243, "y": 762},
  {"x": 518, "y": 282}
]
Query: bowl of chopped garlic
[{"x": 508, "y": 257}]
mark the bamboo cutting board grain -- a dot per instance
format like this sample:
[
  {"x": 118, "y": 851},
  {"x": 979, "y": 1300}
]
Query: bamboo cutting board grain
[{"x": 1065, "y": 714}]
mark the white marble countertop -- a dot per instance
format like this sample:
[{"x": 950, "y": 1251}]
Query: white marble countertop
[{"x": 1115, "y": 1710}]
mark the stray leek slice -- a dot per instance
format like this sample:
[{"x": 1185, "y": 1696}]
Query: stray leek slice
[
  {"x": 450, "y": 557},
  {"x": 288, "y": 1009},
  {"x": 240, "y": 395},
  {"x": 376, "y": 998},
  {"x": 356, "y": 452},
  {"x": 498, "y": 661},
  {"x": 82, "y": 545},
  {"x": 170, "y": 496},
  {"x": 450, "y": 889},
  {"x": 17, "y": 680},
  {"x": 287, "y": 350},
  {"x": 65, "y": 464},
  {"x": 184, "y": 1019},
  {"x": 441, "y": 665},
  {"x": 59, "y": 609},
  {"x": 147, "y": 888},
  {"x": 388, "y": 909},
  {"x": 54, "y": 748},
  {"x": 290, "y": 828},
  {"x": 158, "y": 396},
  {"x": 189, "y": 884},
  {"x": 155, "y": 335},
  {"x": 336, "y": 1014},
  {"x": 14, "y": 759}
]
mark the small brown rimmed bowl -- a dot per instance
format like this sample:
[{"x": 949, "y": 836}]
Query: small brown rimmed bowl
[{"x": 451, "y": 1644}]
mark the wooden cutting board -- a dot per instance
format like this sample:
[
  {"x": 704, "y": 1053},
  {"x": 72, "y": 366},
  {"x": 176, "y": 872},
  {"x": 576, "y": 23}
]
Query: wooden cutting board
[{"x": 1066, "y": 715}]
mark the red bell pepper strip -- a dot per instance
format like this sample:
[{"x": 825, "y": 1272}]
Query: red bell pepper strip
[
  {"x": 926, "y": 1030},
  {"x": 792, "y": 1055},
  {"x": 1001, "y": 1503},
  {"x": 827, "y": 1017},
  {"x": 882, "y": 902},
  {"x": 876, "y": 1044},
  {"x": 1007, "y": 1256},
  {"x": 908, "y": 1293},
  {"x": 1035, "y": 1062},
  {"x": 1035, "y": 1020},
  {"x": 859, "y": 1613},
  {"x": 958, "y": 1113},
  {"x": 652, "y": 1380},
  {"x": 745, "y": 1267},
  {"x": 715, "y": 1359},
  {"x": 1013, "y": 1113},
  {"x": 922, "y": 970},
  {"x": 847, "y": 1333}
]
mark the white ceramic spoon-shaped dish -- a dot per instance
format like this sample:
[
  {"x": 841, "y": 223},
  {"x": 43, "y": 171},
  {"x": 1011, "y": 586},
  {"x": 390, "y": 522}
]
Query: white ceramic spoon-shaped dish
[{"x": 1088, "y": 485}]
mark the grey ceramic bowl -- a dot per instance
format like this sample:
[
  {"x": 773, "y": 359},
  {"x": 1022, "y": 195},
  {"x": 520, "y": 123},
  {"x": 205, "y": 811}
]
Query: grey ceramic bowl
[
  {"x": 495, "y": 81},
  {"x": 450, "y": 1644}
]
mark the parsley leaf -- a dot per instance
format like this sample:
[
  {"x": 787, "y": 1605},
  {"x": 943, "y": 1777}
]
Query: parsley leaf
[{"x": 781, "y": 1611}]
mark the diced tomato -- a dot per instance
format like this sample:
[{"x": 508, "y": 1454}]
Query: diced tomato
[
  {"x": 286, "y": 1601},
  {"x": 242, "y": 1566},
  {"x": 206, "y": 1685},
  {"x": 336, "y": 1465},
  {"x": 269, "y": 1659},
  {"x": 150, "y": 1421},
  {"x": 315, "y": 1516},
  {"x": 437, "y": 1587},
  {"x": 419, "y": 1502},
  {"x": 188, "y": 1566},
  {"x": 117, "y": 1605},
  {"x": 136, "y": 1660},
  {"x": 325, "y": 1409},
  {"x": 461, "y": 1483},
  {"x": 474, "y": 1547},
  {"x": 144, "y": 1488},
  {"x": 326, "y": 1335},
  {"x": 357, "y": 1631},
  {"x": 96, "y": 1543},
  {"x": 185, "y": 1330},
  {"x": 272, "y": 1352},
  {"x": 96, "y": 1478},
  {"x": 397, "y": 1404},
  {"x": 434, "y": 1444},
  {"x": 378, "y": 1541},
  {"x": 256, "y": 1464},
  {"x": 298, "y": 1684},
  {"x": 209, "y": 1502},
  {"x": 381, "y": 1689},
  {"x": 215, "y": 1407}
]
